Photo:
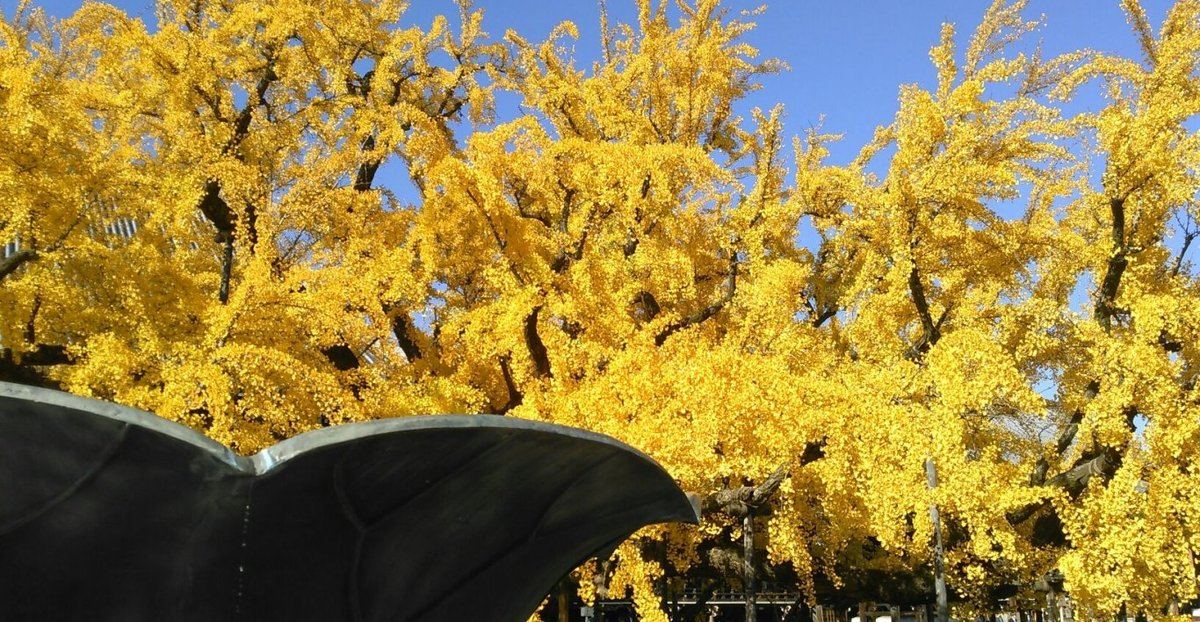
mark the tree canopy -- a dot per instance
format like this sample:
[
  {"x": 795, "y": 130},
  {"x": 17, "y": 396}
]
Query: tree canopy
[{"x": 998, "y": 284}]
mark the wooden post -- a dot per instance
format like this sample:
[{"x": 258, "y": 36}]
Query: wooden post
[
  {"x": 748, "y": 565},
  {"x": 604, "y": 564},
  {"x": 564, "y": 601},
  {"x": 939, "y": 567}
]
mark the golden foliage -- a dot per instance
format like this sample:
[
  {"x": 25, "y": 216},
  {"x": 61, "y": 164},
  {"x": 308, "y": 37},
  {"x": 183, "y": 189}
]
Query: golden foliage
[{"x": 624, "y": 256}]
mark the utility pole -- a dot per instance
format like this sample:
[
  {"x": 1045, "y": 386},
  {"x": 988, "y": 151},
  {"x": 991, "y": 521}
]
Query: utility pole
[{"x": 939, "y": 566}]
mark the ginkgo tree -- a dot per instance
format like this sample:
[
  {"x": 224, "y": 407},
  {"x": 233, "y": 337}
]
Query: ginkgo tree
[{"x": 197, "y": 226}]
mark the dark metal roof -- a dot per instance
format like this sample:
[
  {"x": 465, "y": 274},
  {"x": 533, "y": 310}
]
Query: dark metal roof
[{"x": 110, "y": 513}]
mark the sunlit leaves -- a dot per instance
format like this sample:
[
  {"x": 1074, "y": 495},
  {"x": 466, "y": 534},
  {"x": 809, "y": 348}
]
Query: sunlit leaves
[{"x": 264, "y": 217}]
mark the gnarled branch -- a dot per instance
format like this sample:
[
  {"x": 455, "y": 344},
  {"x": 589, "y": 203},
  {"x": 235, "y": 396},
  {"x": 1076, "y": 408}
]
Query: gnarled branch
[{"x": 738, "y": 501}]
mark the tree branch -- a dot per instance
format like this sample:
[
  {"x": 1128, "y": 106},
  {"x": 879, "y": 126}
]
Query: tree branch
[
  {"x": 400, "y": 327},
  {"x": 16, "y": 260},
  {"x": 564, "y": 217},
  {"x": 1187, "y": 241},
  {"x": 31, "y": 324},
  {"x": 706, "y": 312},
  {"x": 1075, "y": 480},
  {"x": 45, "y": 355},
  {"x": 1102, "y": 461},
  {"x": 346, "y": 359},
  {"x": 564, "y": 259},
  {"x": 342, "y": 357},
  {"x": 241, "y": 125},
  {"x": 496, "y": 236},
  {"x": 930, "y": 330},
  {"x": 226, "y": 270},
  {"x": 537, "y": 349},
  {"x": 1105, "y": 307},
  {"x": 215, "y": 208},
  {"x": 365, "y": 175},
  {"x": 738, "y": 501},
  {"x": 515, "y": 397},
  {"x": 28, "y": 369},
  {"x": 648, "y": 304},
  {"x": 824, "y": 316}
]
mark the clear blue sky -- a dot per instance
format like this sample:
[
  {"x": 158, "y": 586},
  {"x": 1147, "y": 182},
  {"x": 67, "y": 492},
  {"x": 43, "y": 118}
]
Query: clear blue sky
[{"x": 847, "y": 58}]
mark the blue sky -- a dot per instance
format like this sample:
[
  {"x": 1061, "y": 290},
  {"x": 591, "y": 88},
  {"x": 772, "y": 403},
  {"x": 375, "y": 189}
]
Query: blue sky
[{"x": 847, "y": 58}]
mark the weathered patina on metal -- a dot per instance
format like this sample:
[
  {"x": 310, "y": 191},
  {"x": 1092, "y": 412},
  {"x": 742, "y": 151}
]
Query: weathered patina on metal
[{"x": 110, "y": 513}]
